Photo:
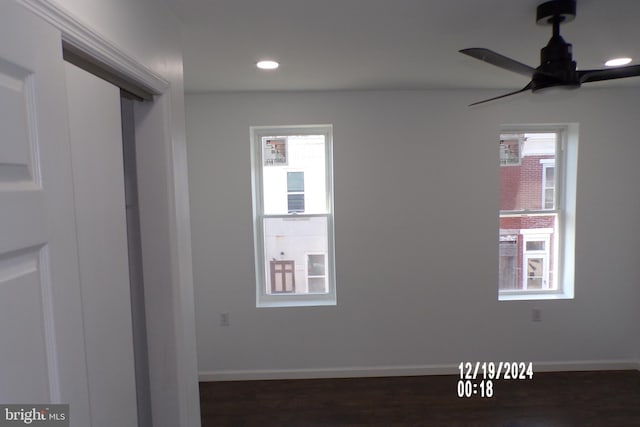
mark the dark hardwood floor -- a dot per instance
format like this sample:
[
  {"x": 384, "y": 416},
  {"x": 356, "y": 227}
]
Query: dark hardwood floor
[{"x": 575, "y": 399}]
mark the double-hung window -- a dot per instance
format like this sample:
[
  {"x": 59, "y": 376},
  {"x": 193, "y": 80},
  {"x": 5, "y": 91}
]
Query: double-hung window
[
  {"x": 293, "y": 215},
  {"x": 537, "y": 211}
]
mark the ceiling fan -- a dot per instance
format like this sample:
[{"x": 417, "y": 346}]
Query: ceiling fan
[{"x": 557, "y": 67}]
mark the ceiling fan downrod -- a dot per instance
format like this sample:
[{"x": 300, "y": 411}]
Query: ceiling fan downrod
[{"x": 557, "y": 67}]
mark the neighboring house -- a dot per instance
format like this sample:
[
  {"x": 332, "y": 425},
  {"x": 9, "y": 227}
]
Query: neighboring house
[
  {"x": 295, "y": 246},
  {"x": 527, "y": 183}
]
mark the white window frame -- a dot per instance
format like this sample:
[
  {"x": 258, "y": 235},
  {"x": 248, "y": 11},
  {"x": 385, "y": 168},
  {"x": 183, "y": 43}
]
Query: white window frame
[
  {"x": 263, "y": 298},
  {"x": 566, "y": 161}
]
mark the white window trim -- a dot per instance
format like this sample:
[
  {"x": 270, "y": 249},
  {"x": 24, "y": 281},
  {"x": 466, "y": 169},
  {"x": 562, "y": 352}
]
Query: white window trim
[
  {"x": 564, "y": 243},
  {"x": 263, "y": 299}
]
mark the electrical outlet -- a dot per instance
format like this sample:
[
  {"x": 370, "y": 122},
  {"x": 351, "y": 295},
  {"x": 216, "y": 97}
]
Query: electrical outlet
[
  {"x": 224, "y": 319},
  {"x": 536, "y": 315}
]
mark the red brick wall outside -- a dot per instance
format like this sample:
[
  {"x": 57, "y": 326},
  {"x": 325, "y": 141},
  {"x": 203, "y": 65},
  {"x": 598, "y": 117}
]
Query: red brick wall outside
[{"x": 521, "y": 186}]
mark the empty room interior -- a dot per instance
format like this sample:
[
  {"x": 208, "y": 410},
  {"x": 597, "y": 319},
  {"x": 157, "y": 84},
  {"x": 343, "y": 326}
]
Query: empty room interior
[{"x": 312, "y": 224}]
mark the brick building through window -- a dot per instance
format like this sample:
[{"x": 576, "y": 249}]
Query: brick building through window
[{"x": 528, "y": 215}]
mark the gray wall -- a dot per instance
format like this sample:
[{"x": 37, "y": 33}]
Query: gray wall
[{"x": 416, "y": 200}]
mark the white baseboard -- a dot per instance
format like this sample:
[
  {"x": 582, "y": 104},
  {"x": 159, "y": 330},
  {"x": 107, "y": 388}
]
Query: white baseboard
[
  {"x": 402, "y": 371},
  {"x": 351, "y": 372}
]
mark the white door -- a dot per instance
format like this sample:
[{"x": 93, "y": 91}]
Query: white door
[
  {"x": 42, "y": 356},
  {"x": 97, "y": 163}
]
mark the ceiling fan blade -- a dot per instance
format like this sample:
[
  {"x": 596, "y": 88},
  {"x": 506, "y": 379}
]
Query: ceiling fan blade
[
  {"x": 498, "y": 60},
  {"x": 527, "y": 87},
  {"x": 586, "y": 76}
]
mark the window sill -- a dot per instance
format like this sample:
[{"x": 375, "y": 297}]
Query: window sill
[
  {"x": 534, "y": 296},
  {"x": 293, "y": 301}
]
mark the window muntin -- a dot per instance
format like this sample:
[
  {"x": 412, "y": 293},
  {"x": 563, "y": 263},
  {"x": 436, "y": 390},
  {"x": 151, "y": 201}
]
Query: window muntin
[
  {"x": 293, "y": 218},
  {"x": 531, "y": 214}
]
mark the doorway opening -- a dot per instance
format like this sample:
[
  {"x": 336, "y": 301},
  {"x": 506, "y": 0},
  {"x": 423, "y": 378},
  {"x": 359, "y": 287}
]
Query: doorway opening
[{"x": 130, "y": 95}]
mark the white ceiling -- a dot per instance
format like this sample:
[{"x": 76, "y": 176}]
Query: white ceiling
[{"x": 386, "y": 44}]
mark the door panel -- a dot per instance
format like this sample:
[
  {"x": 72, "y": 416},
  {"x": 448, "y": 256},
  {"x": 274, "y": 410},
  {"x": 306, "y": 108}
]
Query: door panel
[
  {"x": 96, "y": 152},
  {"x": 16, "y": 90},
  {"x": 21, "y": 303},
  {"x": 40, "y": 304}
]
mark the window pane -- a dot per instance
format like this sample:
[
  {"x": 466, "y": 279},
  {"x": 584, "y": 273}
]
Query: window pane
[
  {"x": 295, "y": 203},
  {"x": 535, "y": 246},
  {"x": 526, "y": 258},
  {"x": 535, "y": 273},
  {"x": 550, "y": 176},
  {"x": 317, "y": 285},
  {"x": 294, "y": 239},
  {"x": 523, "y": 185},
  {"x": 316, "y": 265},
  {"x": 549, "y": 198},
  {"x": 295, "y": 182},
  {"x": 306, "y": 155}
]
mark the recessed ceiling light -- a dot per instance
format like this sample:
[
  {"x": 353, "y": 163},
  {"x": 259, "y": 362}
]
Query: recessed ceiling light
[
  {"x": 267, "y": 65},
  {"x": 616, "y": 62}
]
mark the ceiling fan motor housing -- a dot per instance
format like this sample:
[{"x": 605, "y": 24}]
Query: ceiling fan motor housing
[
  {"x": 546, "y": 12},
  {"x": 557, "y": 67}
]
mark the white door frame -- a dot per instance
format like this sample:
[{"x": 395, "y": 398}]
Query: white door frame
[
  {"x": 96, "y": 46},
  {"x": 163, "y": 186}
]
